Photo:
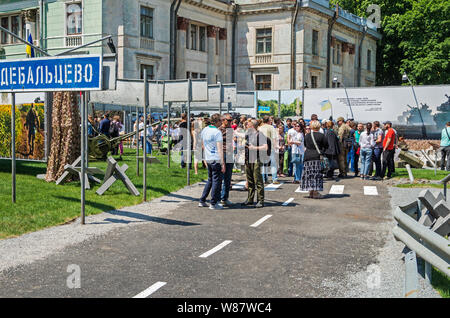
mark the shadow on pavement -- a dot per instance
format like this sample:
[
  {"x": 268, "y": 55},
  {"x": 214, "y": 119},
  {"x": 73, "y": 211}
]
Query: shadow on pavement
[{"x": 148, "y": 218}]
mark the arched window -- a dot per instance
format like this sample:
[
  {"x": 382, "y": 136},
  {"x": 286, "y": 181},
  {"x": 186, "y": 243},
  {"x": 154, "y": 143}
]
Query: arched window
[{"x": 74, "y": 19}]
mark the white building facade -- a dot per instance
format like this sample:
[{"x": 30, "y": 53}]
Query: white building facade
[{"x": 258, "y": 44}]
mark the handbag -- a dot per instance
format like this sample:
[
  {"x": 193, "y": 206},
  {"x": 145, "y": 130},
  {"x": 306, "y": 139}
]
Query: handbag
[{"x": 325, "y": 163}]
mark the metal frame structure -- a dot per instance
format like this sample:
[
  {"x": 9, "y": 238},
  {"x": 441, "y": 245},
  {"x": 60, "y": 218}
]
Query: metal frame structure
[{"x": 83, "y": 109}]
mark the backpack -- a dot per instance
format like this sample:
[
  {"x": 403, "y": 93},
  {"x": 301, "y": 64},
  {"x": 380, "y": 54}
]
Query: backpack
[{"x": 114, "y": 130}]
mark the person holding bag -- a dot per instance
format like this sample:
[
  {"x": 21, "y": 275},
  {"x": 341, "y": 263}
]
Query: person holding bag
[
  {"x": 445, "y": 147},
  {"x": 333, "y": 150},
  {"x": 314, "y": 161},
  {"x": 366, "y": 144},
  {"x": 296, "y": 141}
]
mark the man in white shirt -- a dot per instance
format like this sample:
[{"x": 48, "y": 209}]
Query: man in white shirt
[
  {"x": 272, "y": 135},
  {"x": 141, "y": 131},
  {"x": 213, "y": 151}
]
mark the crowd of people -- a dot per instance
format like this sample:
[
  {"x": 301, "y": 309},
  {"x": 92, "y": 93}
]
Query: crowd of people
[{"x": 307, "y": 151}]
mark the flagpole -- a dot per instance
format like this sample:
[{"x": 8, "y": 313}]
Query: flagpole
[{"x": 331, "y": 108}]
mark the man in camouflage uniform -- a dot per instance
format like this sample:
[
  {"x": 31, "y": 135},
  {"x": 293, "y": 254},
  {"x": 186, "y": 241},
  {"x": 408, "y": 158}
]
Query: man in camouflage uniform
[
  {"x": 32, "y": 124},
  {"x": 343, "y": 134}
]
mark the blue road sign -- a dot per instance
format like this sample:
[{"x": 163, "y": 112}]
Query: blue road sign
[{"x": 74, "y": 73}]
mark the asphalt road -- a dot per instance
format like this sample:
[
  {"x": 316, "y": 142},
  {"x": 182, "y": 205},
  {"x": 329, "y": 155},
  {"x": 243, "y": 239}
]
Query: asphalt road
[{"x": 292, "y": 253}]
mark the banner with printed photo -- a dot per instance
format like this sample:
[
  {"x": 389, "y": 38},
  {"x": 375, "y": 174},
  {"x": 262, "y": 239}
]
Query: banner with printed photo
[
  {"x": 291, "y": 103},
  {"x": 30, "y": 130},
  {"x": 395, "y": 104}
]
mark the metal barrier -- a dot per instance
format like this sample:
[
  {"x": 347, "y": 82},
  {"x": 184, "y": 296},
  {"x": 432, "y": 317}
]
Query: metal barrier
[
  {"x": 444, "y": 181},
  {"x": 424, "y": 237}
]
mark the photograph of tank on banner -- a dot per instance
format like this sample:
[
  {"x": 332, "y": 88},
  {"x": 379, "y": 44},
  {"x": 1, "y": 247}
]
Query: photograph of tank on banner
[
  {"x": 419, "y": 112},
  {"x": 30, "y": 126},
  {"x": 290, "y": 100}
]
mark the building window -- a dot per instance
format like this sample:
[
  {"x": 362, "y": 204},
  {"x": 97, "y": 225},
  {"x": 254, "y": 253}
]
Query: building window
[
  {"x": 315, "y": 42},
  {"x": 202, "y": 38},
  {"x": 264, "y": 41},
  {"x": 313, "y": 81},
  {"x": 369, "y": 60},
  {"x": 193, "y": 37},
  {"x": 150, "y": 72},
  {"x": 15, "y": 27},
  {"x": 147, "y": 22},
  {"x": 263, "y": 82},
  {"x": 195, "y": 75},
  {"x": 5, "y": 24},
  {"x": 74, "y": 19}
]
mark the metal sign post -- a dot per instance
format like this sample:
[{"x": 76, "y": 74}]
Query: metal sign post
[
  {"x": 279, "y": 104},
  {"x": 137, "y": 141},
  {"x": 220, "y": 98},
  {"x": 83, "y": 159},
  {"x": 256, "y": 104},
  {"x": 188, "y": 159},
  {"x": 144, "y": 147},
  {"x": 13, "y": 146}
]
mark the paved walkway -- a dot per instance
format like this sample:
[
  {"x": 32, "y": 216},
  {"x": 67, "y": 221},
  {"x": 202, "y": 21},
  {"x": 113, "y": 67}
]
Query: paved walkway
[{"x": 170, "y": 247}]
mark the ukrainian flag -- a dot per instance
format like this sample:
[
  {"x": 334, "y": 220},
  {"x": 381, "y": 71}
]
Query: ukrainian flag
[
  {"x": 30, "y": 50},
  {"x": 326, "y": 104}
]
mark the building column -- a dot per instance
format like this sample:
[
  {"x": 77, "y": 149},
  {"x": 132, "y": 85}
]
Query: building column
[
  {"x": 222, "y": 54},
  {"x": 213, "y": 59},
  {"x": 30, "y": 23},
  {"x": 182, "y": 38}
]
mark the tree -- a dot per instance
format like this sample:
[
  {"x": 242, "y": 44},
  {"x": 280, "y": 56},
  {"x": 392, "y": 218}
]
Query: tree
[{"x": 415, "y": 39}]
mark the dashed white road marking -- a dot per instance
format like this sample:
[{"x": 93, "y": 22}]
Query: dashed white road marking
[
  {"x": 370, "y": 190},
  {"x": 150, "y": 290},
  {"x": 299, "y": 190},
  {"x": 337, "y": 189},
  {"x": 215, "y": 249},
  {"x": 239, "y": 186},
  {"x": 273, "y": 187},
  {"x": 288, "y": 201},
  {"x": 258, "y": 223}
]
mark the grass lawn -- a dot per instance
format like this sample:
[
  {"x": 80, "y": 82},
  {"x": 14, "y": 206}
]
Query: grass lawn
[
  {"x": 41, "y": 204},
  {"x": 420, "y": 185},
  {"x": 441, "y": 283},
  {"x": 421, "y": 174}
]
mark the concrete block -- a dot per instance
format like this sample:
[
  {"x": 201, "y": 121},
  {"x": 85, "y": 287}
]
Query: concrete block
[
  {"x": 442, "y": 209},
  {"x": 410, "y": 209},
  {"x": 442, "y": 226},
  {"x": 427, "y": 220},
  {"x": 429, "y": 200}
]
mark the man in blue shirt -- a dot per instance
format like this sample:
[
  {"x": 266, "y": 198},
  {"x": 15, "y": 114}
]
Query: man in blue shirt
[
  {"x": 445, "y": 147},
  {"x": 213, "y": 151},
  {"x": 104, "y": 125}
]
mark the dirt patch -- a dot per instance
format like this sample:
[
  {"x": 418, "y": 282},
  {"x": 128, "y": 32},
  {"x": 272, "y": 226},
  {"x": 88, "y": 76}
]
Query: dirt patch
[{"x": 415, "y": 144}]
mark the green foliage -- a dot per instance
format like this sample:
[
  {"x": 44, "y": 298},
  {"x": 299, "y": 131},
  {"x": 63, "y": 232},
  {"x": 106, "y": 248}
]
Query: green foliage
[
  {"x": 415, "y": 39},
  {"x": 441, "y": 283},
  {"x": 5, "y": 130}
]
